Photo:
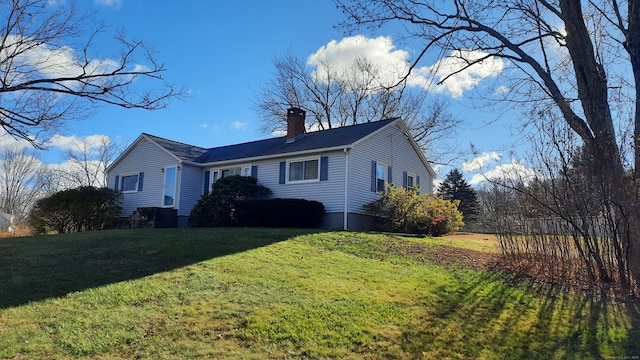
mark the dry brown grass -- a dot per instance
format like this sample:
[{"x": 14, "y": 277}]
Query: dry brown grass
[{"x": 20, "y": 231}]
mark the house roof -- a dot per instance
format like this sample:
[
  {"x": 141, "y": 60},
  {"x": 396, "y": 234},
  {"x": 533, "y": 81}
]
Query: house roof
[
  {"x": 316, "y": 140},
  {"x": 180, "y": 150}
]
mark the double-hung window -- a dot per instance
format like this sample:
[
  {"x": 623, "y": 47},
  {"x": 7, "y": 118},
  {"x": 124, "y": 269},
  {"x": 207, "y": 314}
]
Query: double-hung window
[
  {"x": 381, "y": 174},
  {"x": 411, "y": 181},
  {"x": 129, "y": 183},
  {"x": 305, "y": 170}
]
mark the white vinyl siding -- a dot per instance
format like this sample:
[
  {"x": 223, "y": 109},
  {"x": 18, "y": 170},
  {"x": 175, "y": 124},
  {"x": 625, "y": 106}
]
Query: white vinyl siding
[
  {"x": 392, "y": 148},
  {"x": 149, "y": 159},
  {"x": 329, "y": 192},
  {"x": 190, "y": 185}
]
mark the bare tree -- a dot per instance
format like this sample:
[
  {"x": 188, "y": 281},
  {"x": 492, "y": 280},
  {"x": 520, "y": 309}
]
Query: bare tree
[
  {"x": 49, "y": 71},
  {"x": 334, "y": 96},
  {"x": 567, "y": 60},
  {"x": 19, "y": 179},
  {"x": 87, "y": 161}
]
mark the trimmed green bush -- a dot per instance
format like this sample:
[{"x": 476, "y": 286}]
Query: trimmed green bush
[
  {"x": 216, "y": 209},
  {"x": 406, "y": 211},
  {"x": 85, "y": 208},
  {"x": 298, "y": 213}
]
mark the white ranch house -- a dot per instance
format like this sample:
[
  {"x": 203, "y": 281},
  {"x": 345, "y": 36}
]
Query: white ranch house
[{"x": 343, "y": 168}]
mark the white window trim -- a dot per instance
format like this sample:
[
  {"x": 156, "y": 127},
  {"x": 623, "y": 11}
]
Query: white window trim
[
  {"x": 384, "y": 176},
  {"x": 302, "y": 181},
  {"x": 122, "y": 176},
  {"x": 175, "y": 187},
  {"x": 411, "y": 175},
  {"x": 212, "y": 180}
]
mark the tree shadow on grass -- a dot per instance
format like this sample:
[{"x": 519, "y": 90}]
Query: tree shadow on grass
[
  {"x": 522, "y": 319},
  {"x": 38, "y": 268}
]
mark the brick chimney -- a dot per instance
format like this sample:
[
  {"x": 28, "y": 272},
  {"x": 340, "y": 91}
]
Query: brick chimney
[{"x": 295, "y": 123}]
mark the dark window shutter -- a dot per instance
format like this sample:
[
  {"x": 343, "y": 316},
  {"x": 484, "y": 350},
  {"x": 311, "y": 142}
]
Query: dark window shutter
[
  {"x": 405, "y": 180},
  {"x": 418, "y": 183},
  {"x": 116, "y": 186},
  {"x": 283, "y": 172},
  {"x": 140, "y": 181},
  {"x": 207, "y": 179},
  {"x": 254, "y": 171},
  {"x": 324, "y": 168},
  {"x": 373, "y": 176},
  {"x": 389, "y": 177}
]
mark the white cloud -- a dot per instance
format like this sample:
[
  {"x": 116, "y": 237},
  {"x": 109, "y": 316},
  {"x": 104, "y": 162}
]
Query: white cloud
[
  {"x": 7, "y": 140},
  {"x": 394, "y": 63},
  {"x": 380, "y": 52},
  {"x": 204, "y": 126},
  {"x": 457, "y": 83},
  {"x": 112, "y": 3},
  {"x": 512, "y": 171},
  {"x": 51, "y": 61},
  {"x": 479, "y": 161},
  {"x": 78, "y": 143},
  {"x": 239, "y": 125}
]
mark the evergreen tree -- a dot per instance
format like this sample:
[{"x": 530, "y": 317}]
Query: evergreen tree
[{"x": 454, "y": 187}]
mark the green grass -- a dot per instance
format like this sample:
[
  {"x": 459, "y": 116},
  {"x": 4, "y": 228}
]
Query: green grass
[{"x": 282, "y": 294}]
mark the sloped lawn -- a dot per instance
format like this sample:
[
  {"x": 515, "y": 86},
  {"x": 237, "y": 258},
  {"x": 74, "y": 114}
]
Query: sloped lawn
[{"x": 269, "y": 293}]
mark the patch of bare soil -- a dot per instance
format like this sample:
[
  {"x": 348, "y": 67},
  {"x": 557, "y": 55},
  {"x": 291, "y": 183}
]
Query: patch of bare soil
[
  {"x": 442, "y": 255},
  {"x": 465, "y": 258},
  {"x": 17, "y": 233}
]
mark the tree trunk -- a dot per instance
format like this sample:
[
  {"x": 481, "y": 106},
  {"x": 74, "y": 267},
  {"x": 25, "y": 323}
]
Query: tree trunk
[{"x": 632, "y": 45}]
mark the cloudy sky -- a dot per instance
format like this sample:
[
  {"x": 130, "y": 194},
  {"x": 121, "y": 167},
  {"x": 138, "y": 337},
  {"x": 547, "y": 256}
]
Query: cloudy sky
[{"x": 223, "y": 51}]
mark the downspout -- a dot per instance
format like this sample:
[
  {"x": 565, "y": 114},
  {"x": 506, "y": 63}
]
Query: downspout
[{"x": 346, "y": 190}]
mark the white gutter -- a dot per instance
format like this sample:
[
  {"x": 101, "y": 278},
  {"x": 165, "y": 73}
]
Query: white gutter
[{"x": 346, "y": 190}]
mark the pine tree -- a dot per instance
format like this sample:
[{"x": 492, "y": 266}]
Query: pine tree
[{"x": 454, "y": 187}]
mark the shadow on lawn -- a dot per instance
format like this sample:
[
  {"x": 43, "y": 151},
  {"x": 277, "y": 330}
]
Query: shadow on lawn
[
  {"x": 37, "y": 268},
  {"x": 542, "y": 323}
]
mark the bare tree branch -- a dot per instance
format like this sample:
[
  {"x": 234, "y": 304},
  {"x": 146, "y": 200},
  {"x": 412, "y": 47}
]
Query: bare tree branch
[{"x": 48, "y": 75}]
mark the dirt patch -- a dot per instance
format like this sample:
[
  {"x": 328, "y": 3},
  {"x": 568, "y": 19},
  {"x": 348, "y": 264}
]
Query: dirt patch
[
  {"x": 17, "y": 233},
  {"x": 442, "y": 255}
]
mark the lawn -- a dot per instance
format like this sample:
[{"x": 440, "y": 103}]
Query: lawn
[{"x": 286, "y": 294}]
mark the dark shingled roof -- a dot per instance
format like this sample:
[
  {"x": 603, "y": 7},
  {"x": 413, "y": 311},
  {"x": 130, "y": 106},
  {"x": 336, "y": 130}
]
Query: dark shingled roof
[
  {"x": 323, "y": 139},
  {"x": 182, "y": 151}
]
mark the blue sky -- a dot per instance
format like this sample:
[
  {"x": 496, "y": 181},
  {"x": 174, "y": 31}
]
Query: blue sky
[{"x": 222, "y": 51}]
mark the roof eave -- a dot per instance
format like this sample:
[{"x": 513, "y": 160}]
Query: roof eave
[{"x": 267, "y": 157}]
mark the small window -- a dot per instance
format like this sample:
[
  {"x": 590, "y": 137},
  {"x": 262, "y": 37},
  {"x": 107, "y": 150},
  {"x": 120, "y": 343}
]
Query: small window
[
  {"x": 381, "y": 171},
  {"x": 303, "y": 170},
  {"x": 246, "y": 171},
  {"x": 411, "y": 181},
  {"x": 129, "y": 183}
]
